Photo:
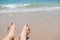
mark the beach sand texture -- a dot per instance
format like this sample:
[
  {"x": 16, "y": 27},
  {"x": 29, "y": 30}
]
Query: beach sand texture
[{"x": 44, "y": 25}]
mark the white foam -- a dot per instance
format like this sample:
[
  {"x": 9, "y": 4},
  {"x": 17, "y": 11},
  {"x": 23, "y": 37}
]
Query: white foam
[
  {"x": 13, "y": 8},
  {"x": 28, "y": 10},
  {"x": 10, "y": 6}
]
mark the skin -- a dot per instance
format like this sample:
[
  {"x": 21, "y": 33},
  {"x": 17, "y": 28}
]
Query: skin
[
  {"x": 23, "y": 36},
  {"x": 25, "y": 32},
  {"x": 10, "y": 30}
]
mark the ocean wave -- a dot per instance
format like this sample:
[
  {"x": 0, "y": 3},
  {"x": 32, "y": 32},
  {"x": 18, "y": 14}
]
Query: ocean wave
[
  {"x": 32, "y": 9},
  {"x": 28, "y": 7},
  {"x": 17, "y": 6}
]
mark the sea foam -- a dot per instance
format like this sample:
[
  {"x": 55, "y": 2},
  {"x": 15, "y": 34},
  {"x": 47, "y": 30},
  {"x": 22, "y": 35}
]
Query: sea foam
[{"x": 26, "y": 7}]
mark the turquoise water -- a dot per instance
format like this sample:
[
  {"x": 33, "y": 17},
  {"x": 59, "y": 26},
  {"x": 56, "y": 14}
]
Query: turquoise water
[
  {"x": 29, "y": 4},
  {"x": 27, "y": 1}
]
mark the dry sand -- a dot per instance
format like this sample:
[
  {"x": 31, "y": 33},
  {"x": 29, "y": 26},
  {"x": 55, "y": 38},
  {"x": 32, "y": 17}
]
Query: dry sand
[{"x": 45, "y": 25}]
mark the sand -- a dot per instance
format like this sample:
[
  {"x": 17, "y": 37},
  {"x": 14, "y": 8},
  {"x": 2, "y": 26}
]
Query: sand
[{"x": 45, "y": 25}]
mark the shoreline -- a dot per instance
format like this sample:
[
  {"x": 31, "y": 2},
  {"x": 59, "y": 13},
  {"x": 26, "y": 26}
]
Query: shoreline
[{"x": 31, "y": 10}]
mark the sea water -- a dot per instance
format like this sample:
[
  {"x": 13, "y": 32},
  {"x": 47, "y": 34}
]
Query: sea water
[{"x": 28, "y": 5}]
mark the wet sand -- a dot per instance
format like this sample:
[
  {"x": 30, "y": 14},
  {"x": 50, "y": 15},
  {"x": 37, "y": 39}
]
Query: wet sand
[{"x": 45, "y": 25}]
